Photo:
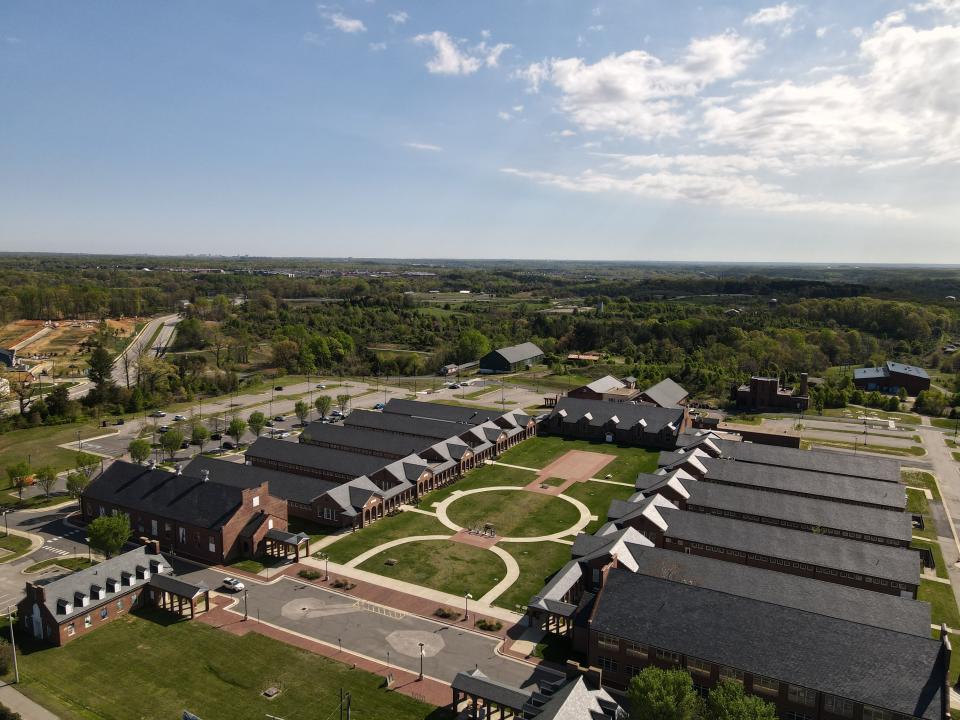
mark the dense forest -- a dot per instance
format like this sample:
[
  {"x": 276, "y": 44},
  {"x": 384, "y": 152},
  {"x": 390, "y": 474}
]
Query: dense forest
[{"x": 708, "y": 327}]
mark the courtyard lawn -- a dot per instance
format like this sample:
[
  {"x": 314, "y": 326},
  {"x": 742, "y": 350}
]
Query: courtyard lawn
[
  {"x": 538, "y": 562},
  {"x": 443, "y": 565},
  {"x": 389, "y": 528},
  {"x": 485, "y": 476},
  {"x": 943, "y": 606},
  {"x": 918, "y": 478},
  {"x": 39, "y": 445},
  {"x": 540, "y": 451},
  {"x": 597, "y": 497},
  {"x": 15, "y": 544},
  {"x": 148, "y": 667},
  {"x": 71, "y": 563},
  {"x": 514, "y": 513},
  {"x": 917, "y": 504},
  {"x": 934, "y": 547}
]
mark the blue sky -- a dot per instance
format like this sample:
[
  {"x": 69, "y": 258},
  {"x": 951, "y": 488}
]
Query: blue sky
[{"x": 612, "y": 129}]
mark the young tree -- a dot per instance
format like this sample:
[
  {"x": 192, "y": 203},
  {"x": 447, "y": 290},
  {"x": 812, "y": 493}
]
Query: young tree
[
  {"x": 46, "y": 479},
  {"x": 323, "y": 405},
  {"x": 257, "y": 421},
  {"x": 86, "y": 462},
  {"x": 109, "y": 533},
  {"x": 76, "y": 483},
  {"x": 101, "y": 365},
  {"x": 236, "y": 428},
  {"x": 171, "y": 441},
  {"x": 728, "y": 701},
  {"x": 139, "y": 450},
  {"x": 302, "y": 410},
  {"x": 342, "y": 401},
  {"x": 18, "y": 474},
  {"x": 657, "y": 694},
  {"x": 199, "y": 435}
]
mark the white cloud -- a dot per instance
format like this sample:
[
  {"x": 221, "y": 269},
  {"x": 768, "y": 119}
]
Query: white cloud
[
  {"x": 341, "y": 22},
  {"x": 822, "y": 31},
  {"x": 567, "y": 133},
  {"x": 857, "y": 32},
  {"x": 772, "y": 15},
  {"x": 504, "y": 115},
  {"x": 399, "y": 17},
  {"x": 485, "y": 34},
  {"x": 518, "y": 108},
  {"x": 12, "y": 40},
  {"x": 426, "y": 147},
  {"x": 637, "y": 93},
  {"x": 452, "y": 58},
  {"x": 949, "y": 7},
  {"x": 378, "y": 46},
  {"x": 595, "y": 28}
]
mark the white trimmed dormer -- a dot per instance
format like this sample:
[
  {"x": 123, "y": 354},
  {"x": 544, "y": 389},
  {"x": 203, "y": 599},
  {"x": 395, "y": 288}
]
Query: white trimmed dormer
[
  {"x": 64, "y": 607},
  {"x": 143, "y": 573},
  {"x": 96, "y": 592},
  {"x": 113, "y": 585},
  {"x": 156, "y": 567},
  {"x": 126, "y": 579},
  {"x": 80, "y": 600}
]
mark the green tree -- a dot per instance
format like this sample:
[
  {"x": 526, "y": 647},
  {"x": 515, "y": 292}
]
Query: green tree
[
  {"x": 728, "y": 701},
  {"x": 171, "y": 441},
  {"x": 471, "y": 345},
  {"x": 302, "y": 411},
  {"x": 236, "y": 428},
  {"x": 109, "y": 533},
  {"x": 76, "y": 483},
  {"x": 342, "y": 401},
  {"x": 46, "y": 478},
  {"x": 58, "y": 401},
  {"x": 18, "y": 473},
  {"x": 86, "y": 462},
  {"x": 101, "y": 365},
  {"x": 199, "y": 435},
  {"x": 257, "y": 421},
  {"x": 323, "y": 405},
  {"x": 657, "y": 694},
  {"x": 139, "y": 450}
]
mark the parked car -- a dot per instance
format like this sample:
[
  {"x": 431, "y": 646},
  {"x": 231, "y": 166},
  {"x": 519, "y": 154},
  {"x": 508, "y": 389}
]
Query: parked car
[
  {"x": 216, "y": 436},
  {"x": 269, "y": 423},
  {"x": 281, "y": 434},
  {"x": 158, "y": 414},
  {"x": 378, "y": 406},
  {"x": 179, "y": 418},
  {"x": 118, "y": 421},
  {"x": 321, "y": 387},
  {"x": 455, "y": 386},
  {"x": 227, "y": 445},
  {"x": 279, "y": 418},
  {"x": 232, "y": 584},
  {"x": 163, "y": 429},
  {"x": 279, "y": 388},
  {"x": 336, "y": 414},
  {"x": 185, "y": 445}
]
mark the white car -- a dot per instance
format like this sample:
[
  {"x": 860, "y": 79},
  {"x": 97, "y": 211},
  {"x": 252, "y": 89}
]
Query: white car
[
  {"x": 179, "y": 418},
  {"x": 232, "y": 584}
]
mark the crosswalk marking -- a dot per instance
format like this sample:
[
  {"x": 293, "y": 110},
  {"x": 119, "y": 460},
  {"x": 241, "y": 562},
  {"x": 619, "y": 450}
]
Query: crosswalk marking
[{"x": 56, "y": 551}]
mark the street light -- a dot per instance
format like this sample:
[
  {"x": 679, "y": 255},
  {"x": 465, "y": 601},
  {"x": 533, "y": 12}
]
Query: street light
[
  {"x": 79, "y": 444},
  {"x": 421, "y": 661},
  {"x": 89, "y": 554},
  {"x": 326, "y": 565},
  {"x": 467, "y": 597}
]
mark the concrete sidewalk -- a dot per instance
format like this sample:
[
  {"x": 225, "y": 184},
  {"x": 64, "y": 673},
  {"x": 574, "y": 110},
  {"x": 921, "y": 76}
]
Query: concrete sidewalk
[{"x": 18, "y": 702}]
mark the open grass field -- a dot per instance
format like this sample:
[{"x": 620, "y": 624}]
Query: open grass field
[
  {"x": 597, "y": 497},
  {"x": 514, "y": 513},
  {"x": 148, "y": 667},
  {"x": 943, "y": 606},
  {"x": 918, "y": 478},
  {"x": 17, "y": 546},
  {"x": 858, "y": 411},
  {"x": 39, "y": 446},
  {"x": 540, "y": 451},
  {"x": 914, "y": 450},
  {"x": 917, "y": 504},
  {"x": 390, "y": 528},
  {"x": 485, "y": 476},
  {"x": 934, "y": 547},
  {"x": 71, "y": 564},
  {"x": 442, "y": 565},
  {"x": 538, "y": 562}
]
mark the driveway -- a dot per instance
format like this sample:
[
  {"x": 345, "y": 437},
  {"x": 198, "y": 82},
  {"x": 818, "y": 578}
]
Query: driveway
[{"x": 948, "y": 474}]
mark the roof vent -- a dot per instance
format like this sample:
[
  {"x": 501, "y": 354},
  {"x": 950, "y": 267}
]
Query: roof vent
[{"x": 204, "y": 475}]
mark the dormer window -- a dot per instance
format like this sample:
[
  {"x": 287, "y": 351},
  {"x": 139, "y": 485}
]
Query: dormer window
[
  {"x": 80, "y": 600},
  {"x": 156, "y": 567},
  {"x": 96, "y": 592},
  {"x": 113, "y": 585},
  {"x": 127, "y": 579},
  {"x": 143, "y": 573},
  {"x": 64, "y": 607}
]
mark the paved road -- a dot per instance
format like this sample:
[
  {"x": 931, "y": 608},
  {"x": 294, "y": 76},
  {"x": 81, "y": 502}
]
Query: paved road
[
  {"x": 948, "y": 473},
  {"x": 372, "y": 631}
]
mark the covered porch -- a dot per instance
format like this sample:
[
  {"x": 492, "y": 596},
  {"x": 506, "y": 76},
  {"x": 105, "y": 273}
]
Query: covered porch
[
  {"x": 283, "y": 545},
  {"x": 179, "y": 596},
  {"x": 477, "y": 697}
]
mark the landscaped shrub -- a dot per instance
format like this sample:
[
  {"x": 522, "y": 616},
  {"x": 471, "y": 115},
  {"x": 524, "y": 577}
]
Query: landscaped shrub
[
  {"x": 446, "y": 613},
  {"x": 488, "y": 625},
  {"x": 309, "y": 574},
  {"x": 342, "y": 584}
]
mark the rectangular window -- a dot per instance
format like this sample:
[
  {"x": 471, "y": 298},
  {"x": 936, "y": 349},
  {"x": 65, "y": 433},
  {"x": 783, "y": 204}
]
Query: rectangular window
[
  {"x": 875, "y": 713},
  {"x": 636, "y": 649},
  {"x": 794, "y": 715},
  {"x": 766, "y": 685},
  {"x": 182, "y": 534},
  {"x": 729, "y": 673},
  {"x": 839, "y": 706},
  {"x": 667, "y": 656},
  {"x": 256, "y": 501},
  {"x": 633, "y": 670},
  {"x": 606, "y": 663},
  {"x": 87, "y": 621},
  {"x": 120, "y": 604},
  {"x": 608, "y": 642},
  {"x": 103, "y": 613},
  {"x": 701, "y": 667},
  {"x": 802, "y": 696},
  {"x": 71, "y": 629},
  {"x": 153, "y": 527},
  {"x": 212, "y": 544}
]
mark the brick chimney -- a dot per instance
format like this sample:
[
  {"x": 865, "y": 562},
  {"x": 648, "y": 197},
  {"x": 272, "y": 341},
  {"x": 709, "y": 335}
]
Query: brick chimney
[
  {"x": 803, "y": 384},
  {"x": 37, "y": 592},
  {"x": 153, "y": 547}
]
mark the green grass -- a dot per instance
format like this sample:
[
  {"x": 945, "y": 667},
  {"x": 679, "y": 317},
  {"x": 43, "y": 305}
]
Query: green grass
[
  {"x": 954, "y": 671},
  {"x": 950, "y": 443},
  {"x": 855, "y": 411},
  {"x": 944, "y": 423},
  {"x": 914, "y": 450},
  {"x": 36, "y": 501},
  {"x": 917, "y": 504},
  {"x": 250, "y": 566},
  {"x": 943, "y": 606},
  {"x": 538, "y": 562},
  {"x": 745, "y": 419},
  {"x": 597, "y": 497},
  {"x": 485, "y": 476},
  {"x": 315, "y": 531},
  {"x": 540, "y": 451},
  {"x": 15, "y": 544},
  {"x": 553, "y": 482},
  {"x": 555, "y": 648},
  {"x": 389, "y": 528},
  {"x": 71, "y": 563},
  {"x": 956, "y": 456},
  {"x": 443, "y": 565},
  {"x": 451, "y": 401},
  {"x": 918, "y": 478},
  {"x": 934, "y": 547},
  {"x": 514, "y": 513},
  {"x": 39, "y": 445},
  {"x": 150, "y": 667}
]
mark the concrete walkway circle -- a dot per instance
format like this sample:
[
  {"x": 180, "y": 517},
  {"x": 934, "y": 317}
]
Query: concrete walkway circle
[
  {"x": 585, "y": 515},
  {"x": 364, "y": 556},
  {"x": 513, "y": 573}
]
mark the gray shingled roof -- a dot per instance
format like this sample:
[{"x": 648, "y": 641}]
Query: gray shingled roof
[
  {"x": 283, "y": 485},
  {"x": 393, "y": 422},
  {"x": 817, "y": 596},
  {"x": 185, "y": 498},
  {"x": 836, "y": 463},
  {"x": 575, "y": 701},
  {"x": 605, "y": 384},
  {"x": 896, "y": 671},
  {"x": 666, "y": 393},
  {"x": 439, "y": 411},
  {"x": 885, "y": 370},
  {"x": 806, "y": 482},
  {"x": 385, "y": 445},
  {"x": 313, "y": 456},
  {"x": 813, "y": 511},
  {"x": 477, "y": 683},
  {"x": 881, "y": 561},
  {"x": 627, "y": 414},
  {"x": 519, "y": 353}
]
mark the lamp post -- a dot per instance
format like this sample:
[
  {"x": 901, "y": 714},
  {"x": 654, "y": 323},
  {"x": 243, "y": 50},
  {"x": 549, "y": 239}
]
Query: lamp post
[
  {"x": 244, "y": 603},
  {"x": 6, "y": 529},
  {"x": 89, "y": 553},
  {"x": 421, "y": 661},
  {"x": 467, "y": 597},
  {"x": 340, "y": 644},
  {"x": 326, "y": 565},
  {"x": 79, "y": 444}
]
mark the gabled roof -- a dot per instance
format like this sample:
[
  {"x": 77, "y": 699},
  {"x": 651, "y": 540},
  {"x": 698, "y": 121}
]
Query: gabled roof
[
  {"x": 666, "y": 393},
  {"x": 326, "y": 459},
  {"x": 628, "y": 415},
  {"x": 439, "y": 411},
  {"x": 185, "y": 498},
  {"x": 283, "y": 485},
  {"x": 404, "y": 424},
  {"x": 353, "y": 495},
  {"x": 387, "y": 445},
  {"x": 887, "y": 369},
  {"x": 576, "y": 701},
  {"x": 891, "y": 670},
  {"x": 519, "y": 353},
  {"x": 476, "y": 683},
  {"x": 605, "y": 384}
]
